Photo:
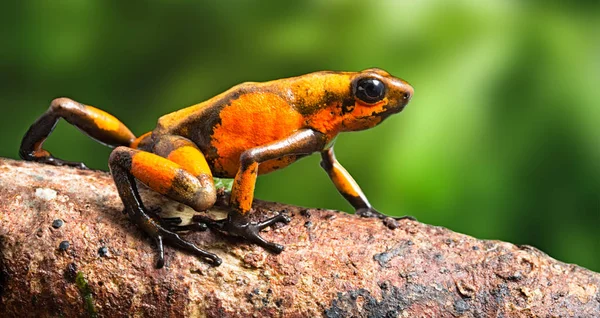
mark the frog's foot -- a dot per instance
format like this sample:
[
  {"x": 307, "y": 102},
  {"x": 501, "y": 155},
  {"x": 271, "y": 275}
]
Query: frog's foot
[
  {"x": 50, "y": 160},
  {"x": 160, "y": 234},
  {"x": 389, "y": 221},
  {"x": 173, "y": 224},
  {"x": 238, "y": 225}
]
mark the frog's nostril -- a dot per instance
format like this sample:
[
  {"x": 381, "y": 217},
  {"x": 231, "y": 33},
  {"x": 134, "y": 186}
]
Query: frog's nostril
[{"x": 408, "y": 92}]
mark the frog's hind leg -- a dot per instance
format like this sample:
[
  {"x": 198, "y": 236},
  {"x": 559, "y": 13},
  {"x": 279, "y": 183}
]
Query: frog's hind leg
[
  {"x": 168, "y": 178},
  {"x": 96, "y": 123}
]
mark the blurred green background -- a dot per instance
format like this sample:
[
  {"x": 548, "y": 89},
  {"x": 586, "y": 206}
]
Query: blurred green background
[{"x": 501, "y": 140}]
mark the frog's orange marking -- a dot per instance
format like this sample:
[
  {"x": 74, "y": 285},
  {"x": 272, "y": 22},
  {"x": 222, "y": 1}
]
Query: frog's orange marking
[
  {"x": 242, "y": 192},
  {"x": 38, "y": 152},
  {"x": 191, "y": 159},
  {"x": 156, "y": 172},
  {"x": 107, "y": 122},
  {"x": 331, "y": 120},
  {"x": 342, "y": 181},
  {"x": 363, "y": 116},
  {"x": 38, "y": 145},
  {"x": 327, "y": 121},
  {"x": 135, "y": 144},
  {"x": 364, "y": 110},
  {"x": 254, "y": 119},
  {"x": 102, "y": 119}
]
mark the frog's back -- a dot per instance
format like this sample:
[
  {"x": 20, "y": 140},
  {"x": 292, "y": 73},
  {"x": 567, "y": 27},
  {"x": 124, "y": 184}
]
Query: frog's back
[{"x": 244, "y": 117}]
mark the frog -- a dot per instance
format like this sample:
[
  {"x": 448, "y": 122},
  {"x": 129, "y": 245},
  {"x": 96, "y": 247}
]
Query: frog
[{"x": 252, "y": 129}]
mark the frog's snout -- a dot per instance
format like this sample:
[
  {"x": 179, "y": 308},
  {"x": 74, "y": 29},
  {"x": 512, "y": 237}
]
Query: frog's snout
[
  {"x": 404, "y": 93},
  {"x": 406, "y": 90}
]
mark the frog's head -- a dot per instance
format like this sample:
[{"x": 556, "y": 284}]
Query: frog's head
[{"x": 377, "y": 95}]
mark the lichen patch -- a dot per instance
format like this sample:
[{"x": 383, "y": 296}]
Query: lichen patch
[{"x": 45, "y": 194}]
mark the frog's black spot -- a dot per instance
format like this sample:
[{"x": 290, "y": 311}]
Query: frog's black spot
[{"x": 348, "y": 105}]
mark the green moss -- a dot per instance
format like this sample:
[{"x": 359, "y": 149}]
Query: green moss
[{"x": 86, "y": 293}]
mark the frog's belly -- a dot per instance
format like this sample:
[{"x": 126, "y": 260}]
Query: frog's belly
[{"x": 252, "y": 120}]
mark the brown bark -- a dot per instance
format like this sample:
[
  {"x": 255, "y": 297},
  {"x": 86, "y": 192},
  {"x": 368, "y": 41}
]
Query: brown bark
[{"x": 335, "y": 264}]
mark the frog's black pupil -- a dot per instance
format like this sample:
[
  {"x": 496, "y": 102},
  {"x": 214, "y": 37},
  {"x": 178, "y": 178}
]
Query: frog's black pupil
[{"x": 370, "y": 90}]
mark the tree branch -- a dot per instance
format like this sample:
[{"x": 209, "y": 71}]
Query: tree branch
[{"x": 335, "y": 264}]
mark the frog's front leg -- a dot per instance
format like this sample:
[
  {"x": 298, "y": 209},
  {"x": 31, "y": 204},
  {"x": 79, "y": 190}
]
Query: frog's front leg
[
  {"x": 302, "y": 142},
  {"x": 348, "y": 188}
]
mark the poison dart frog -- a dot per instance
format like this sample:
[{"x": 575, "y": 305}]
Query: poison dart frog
[{"x": 248, "y": 130}]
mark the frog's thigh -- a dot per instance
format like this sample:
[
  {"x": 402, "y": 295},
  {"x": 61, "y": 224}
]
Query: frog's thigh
[
  {"x": 171, "y": 179},
  {"x": 192, "y": 164}
]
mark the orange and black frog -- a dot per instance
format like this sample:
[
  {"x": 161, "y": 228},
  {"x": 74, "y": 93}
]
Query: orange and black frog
[{"x": 251, "y": 129}]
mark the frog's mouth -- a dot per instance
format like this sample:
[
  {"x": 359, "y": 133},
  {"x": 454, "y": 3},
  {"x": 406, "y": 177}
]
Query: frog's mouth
[{"x": 391, "y": 110}]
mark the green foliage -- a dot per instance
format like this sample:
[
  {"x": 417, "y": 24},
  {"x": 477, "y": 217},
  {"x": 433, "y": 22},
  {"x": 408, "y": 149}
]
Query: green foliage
[
  {"x": 500, "y": 141},
  {"x": 223, "y": 183}
]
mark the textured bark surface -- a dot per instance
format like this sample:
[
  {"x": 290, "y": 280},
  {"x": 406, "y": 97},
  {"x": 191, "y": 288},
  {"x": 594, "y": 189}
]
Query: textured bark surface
[{"x": 334, "y": 265}]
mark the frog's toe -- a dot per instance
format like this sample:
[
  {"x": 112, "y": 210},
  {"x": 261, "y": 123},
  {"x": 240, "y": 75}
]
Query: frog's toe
[
  {"x": 50, "y": 160},
  {"x": 175, "y": 240},
  {"x": 279, "y": 218},
  {"x": 239, "y": 225},
  {"x": 405, "y": 217},
  {"x": 389, "y": 221}
]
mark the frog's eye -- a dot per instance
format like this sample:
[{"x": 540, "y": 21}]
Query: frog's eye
[{"x": 369, "y": 90}]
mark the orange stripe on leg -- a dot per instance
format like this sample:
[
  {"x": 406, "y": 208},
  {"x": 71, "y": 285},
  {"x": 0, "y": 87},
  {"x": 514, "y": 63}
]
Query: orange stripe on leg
[
  {"x": 156, "y": 172},
  {"x": 343, "y": 182},
  {"x": 191, "y": 159},
  {"x": 169, "y": 178},
  {"x": 242, "y": 192},
  {"x": 113, "y": 128},
  {"x": 38, "y": 151}
]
